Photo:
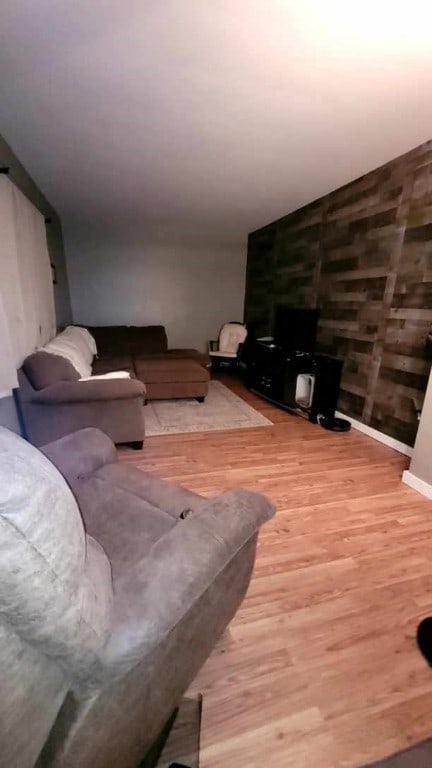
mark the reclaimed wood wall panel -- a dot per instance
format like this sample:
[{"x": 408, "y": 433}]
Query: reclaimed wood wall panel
[
  {"x": 363, "y": 256},
  {"x": 259, "y": 279}
]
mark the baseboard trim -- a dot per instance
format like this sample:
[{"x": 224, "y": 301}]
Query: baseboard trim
[
  {"x": 376, "y": 435},
  {"x": 419, "y": 485}
]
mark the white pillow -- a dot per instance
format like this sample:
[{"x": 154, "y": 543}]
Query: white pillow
[
  {"x": 86, "y": 337},
  {"x": 111, "y": 375},
  {"x": 71, "y": 334},
  {"x": 65, "y": 347}
]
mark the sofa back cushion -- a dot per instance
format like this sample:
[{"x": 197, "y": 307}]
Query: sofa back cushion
[
  {"x": 147, "y": 339},
  {"x": 55, "y": 582},
  {"x": 114, "y": 340},
  {"x": 111, "y": 339},
  {"x": 43, "y": 369}
]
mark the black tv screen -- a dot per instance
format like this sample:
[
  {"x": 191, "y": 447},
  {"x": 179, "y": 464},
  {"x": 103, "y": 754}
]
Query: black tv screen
[{"x": 295, "y": 329}]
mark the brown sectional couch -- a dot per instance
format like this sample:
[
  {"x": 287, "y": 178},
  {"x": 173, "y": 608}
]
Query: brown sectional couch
[
  {"x": 55, "y": 401},
  {"x": 143, "y": 352}
]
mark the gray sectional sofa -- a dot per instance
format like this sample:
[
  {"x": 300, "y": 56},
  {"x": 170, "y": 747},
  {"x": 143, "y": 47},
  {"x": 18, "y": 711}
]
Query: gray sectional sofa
[{"x": 114, "y": 587}]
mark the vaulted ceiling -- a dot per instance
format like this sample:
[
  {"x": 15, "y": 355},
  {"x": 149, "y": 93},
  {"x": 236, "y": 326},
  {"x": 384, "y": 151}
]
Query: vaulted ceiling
[{"x": 217, "y": 116}]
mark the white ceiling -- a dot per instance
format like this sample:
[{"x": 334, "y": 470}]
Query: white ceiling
[{"x": 219, "y": 115}]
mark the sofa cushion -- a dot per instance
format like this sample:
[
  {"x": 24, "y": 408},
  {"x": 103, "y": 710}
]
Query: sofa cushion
[
  {"x": 147, "y": 339},
  {"x": 114, "y": 340},
  {"x": 190, "y": 354},
  {"x": 105, "y": 376},
  {"x": 43, "y": 369},
  {"x": 55, "y": 582},
  {"x": 111, "y": 340},
  {"x": 170, "y": 370},
  {"x": 110, "y": 363}
]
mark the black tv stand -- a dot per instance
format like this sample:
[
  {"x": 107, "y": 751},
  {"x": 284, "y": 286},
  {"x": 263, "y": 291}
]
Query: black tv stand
[{"x": 300, "y": 382}]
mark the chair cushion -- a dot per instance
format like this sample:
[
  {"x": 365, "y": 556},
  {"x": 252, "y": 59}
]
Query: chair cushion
[
  {"x": 132, "y": 526},
  {"x": 43, "y": 369},
  {"x": 231, "y": 335},
  {"x": 172, "y": 498},
  {"x": 223, "y": 354},
  {"x": 55, "y": 582}
]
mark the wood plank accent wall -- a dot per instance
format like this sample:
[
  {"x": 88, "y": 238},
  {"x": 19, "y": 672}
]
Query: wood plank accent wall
[{"x": 363, "y": 256}]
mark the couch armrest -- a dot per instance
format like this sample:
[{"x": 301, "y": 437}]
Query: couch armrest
[
  {"x": 87, "y": 391},
  {"x": 179, "y": 568},
  {"x": 81, "y": 453}
]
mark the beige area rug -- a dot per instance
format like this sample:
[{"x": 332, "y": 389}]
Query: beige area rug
[{"x": 222, "y": 409}]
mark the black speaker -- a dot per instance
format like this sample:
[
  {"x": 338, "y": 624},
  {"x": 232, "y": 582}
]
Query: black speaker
[{"x": 328, "y": 372}]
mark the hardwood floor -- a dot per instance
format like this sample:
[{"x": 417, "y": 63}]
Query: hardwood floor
[{"x": 319, "y": 667}]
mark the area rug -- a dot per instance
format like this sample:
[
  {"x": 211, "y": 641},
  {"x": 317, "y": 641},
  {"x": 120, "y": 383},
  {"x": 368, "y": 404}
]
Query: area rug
[
  {"x": 222, "y": 409},
  {"x": 419, "y": 756}
]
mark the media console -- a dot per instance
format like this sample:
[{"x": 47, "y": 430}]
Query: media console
[{"x": 300, "y": 382}]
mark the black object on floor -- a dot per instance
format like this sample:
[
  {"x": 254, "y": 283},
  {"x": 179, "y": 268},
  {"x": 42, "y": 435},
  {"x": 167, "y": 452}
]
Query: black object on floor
[
  {"x": 334, "y": 424},
  {"x": 424, "y": 639}
]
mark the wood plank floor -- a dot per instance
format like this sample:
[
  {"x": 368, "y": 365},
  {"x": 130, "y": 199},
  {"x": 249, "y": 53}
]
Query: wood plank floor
[{"x": 319, "y": 667}]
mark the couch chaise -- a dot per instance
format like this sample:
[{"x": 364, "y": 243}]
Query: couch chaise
[
  {"x": 143, "y": 351},
  {"x": 107, "y": 609}
]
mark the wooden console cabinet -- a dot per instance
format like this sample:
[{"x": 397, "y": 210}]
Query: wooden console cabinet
[{"x": 273, "y": 372}]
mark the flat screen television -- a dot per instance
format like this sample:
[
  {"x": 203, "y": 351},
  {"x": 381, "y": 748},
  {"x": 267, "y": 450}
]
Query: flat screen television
[{"x": 295, "y": 329}]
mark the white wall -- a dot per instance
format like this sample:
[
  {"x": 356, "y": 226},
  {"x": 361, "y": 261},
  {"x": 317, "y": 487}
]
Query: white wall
[
  {"x": 186, "y": 284},
  {"x": 421, "y": 463}
]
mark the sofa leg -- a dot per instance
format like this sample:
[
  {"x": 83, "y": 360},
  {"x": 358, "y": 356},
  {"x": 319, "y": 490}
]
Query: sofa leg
[
  {"x": 200, "y": 399},
  {"x": 136, "y": 444}
]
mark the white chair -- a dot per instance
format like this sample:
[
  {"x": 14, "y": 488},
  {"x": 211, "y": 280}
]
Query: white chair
[{"x": 223, "y": 352}]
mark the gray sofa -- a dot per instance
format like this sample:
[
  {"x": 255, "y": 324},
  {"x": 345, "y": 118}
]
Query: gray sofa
[{"x": 109, "y": 608}]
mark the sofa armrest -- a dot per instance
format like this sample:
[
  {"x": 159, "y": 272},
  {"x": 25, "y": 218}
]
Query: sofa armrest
[
  {"x": 81, "y": 453},
  {"x": 88, "y": 391},
  {"x": 180, "y": 567}
]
